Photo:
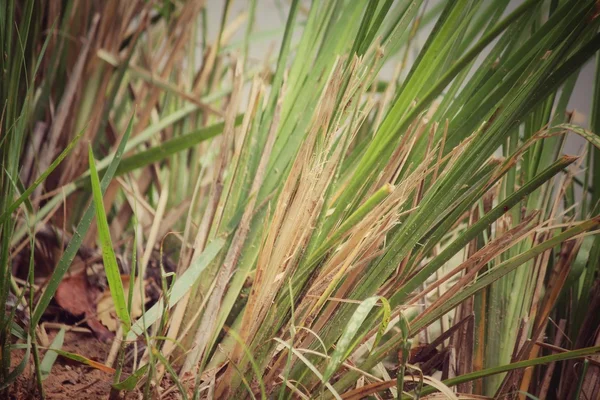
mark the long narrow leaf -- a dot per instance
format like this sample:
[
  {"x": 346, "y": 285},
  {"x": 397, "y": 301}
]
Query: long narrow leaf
[
  {"x": 51, "y": 356},
  {"x": 108, "y": 255},
  {"x": 67, "y": 258}
]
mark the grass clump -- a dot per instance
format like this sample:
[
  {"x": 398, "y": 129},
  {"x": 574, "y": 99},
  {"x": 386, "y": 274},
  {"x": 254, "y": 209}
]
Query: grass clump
[{"x": 308, "y": 227}]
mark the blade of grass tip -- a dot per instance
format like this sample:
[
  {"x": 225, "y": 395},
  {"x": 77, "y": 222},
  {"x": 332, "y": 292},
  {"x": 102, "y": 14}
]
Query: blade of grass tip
[
  {"x": 51, "y": 356},
  {"x": 172, "y": 146},
  {"x": 75, "y": 242},
  {"x": 84, "y": 360},
  {"x": 132, "y": 380},
  {"x": 111, "y": 267},
  {"x": 180, "y": 287},
  {"x": 17, "y": 331},
  {"x": 41, "y": 178},
  {"x": 347, "y": 342},
  {"x": 590, "y": 136}
]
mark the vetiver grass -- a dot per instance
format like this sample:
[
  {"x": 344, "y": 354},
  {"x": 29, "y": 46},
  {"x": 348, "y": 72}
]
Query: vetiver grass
[{"x": 335, "y": 234}]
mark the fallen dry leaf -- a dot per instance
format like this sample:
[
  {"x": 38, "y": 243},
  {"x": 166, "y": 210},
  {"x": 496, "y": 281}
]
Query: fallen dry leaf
[{"x": 76, "y": 296}]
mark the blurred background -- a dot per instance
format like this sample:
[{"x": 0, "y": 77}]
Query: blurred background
[{"x": 270, "y": 22}]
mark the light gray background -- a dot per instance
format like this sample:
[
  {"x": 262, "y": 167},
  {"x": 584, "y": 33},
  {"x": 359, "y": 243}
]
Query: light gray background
[{"x": 271, "y": 15}]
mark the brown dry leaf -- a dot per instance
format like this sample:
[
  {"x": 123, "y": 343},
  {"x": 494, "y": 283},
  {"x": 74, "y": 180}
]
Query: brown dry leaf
[
  {"x": 76, "y": 296},
  {"x": 105, "y": 308}
]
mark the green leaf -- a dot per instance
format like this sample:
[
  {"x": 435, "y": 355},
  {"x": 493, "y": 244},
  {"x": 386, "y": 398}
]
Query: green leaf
[
  {"x": 108, "y": 255},
  {"x": 132, "y": 380},
  {"x": 67, "y": 258},
  {"x": 347, "y": 341},
  {"x": 51, "y": 356},
  {"x": 568, "y": 355},
  {"x": 84, "y": 360},
  {"x": 590, "y": 136},
  {"x": 170, "y": 147}
]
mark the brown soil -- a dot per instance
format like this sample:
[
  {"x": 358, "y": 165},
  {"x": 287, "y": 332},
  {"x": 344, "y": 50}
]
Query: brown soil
[
  {"x": 72, "y": 380},
  {"x": 68, "y": 379}
]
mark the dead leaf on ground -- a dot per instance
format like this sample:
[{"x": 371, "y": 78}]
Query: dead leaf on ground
[{"x": 76, "y": 296}]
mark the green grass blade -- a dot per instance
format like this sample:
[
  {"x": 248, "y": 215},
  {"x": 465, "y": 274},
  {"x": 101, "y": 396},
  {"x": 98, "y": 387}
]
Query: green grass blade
[
  {"x": 255, "y": 367},
  {"x": 132, "y": 380},
  {"x": 569, "y": 355},
  {"x": 347, "y": 341},
  {"x": 84, "y": 360},
  {"x": 170, "y": 147},
  {"x": 310, "y": 366},
  {"x": 108, "y": 255},
  {"x": 67, "y": 258},
  {"x": 51, "y": 356},
  {"x": 590, "y": 136},
  {"x": 174, "y": 376}
]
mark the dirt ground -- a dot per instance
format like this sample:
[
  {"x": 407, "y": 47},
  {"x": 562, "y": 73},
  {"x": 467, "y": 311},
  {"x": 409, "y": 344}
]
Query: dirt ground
[
  {"x": 72, "y": 380},
  {"x": 69, "y": 379}
]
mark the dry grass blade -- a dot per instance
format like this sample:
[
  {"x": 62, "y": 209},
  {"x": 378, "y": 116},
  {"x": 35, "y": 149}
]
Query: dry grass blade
[{"x": 390, "y": 197}]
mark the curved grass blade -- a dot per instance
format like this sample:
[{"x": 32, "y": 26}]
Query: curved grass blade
[
  {"x": 80, "y": 231},
  {"x": 51, "y": 356},
  {"x": 172, "y": 146},
  {"x": 348, "y": 340},
  {"x": 569, "y": 355},
  {"x": 590, "y": 136},
  {"x": 108, "y": 255},
  {"x": 84, "y": 360},
  {"x": 132, "y": 380}
]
